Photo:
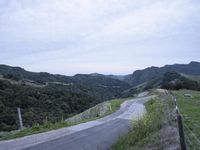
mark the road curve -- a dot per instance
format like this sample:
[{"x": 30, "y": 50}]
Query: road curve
[{"x": 94, "y": 135}]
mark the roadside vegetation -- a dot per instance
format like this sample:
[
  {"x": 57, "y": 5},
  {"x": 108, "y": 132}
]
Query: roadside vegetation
[
  {"x": 189, "y": 105},
  {"x": 154, "y": 130},
  {"x": 115, "y": 104},
  {"x": 36, "y": 128},
  {"x": 143, "y": 128},
  {"x": 47, "y": 125}
]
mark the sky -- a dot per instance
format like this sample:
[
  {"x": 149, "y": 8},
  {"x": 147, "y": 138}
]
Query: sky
[{"x": 105, "y": 36}]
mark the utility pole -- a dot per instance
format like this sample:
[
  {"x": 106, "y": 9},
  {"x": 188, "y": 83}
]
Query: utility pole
[{"x": 20, "y": 118}]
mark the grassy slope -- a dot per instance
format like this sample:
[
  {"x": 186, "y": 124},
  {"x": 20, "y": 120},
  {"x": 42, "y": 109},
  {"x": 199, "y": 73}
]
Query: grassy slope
[
  {"x": 156, "y": 130},
  {"x": 47, "y": 126},
  {"x": 190, "y": 110},
  {"x": 192, "y": 77}
]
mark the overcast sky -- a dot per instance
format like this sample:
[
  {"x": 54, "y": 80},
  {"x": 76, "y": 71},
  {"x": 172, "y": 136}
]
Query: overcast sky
[{"x": 104, "y": 36}]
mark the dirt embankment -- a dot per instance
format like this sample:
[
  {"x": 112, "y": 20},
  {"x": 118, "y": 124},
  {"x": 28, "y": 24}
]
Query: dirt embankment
[{"x": 99, "y": 110}]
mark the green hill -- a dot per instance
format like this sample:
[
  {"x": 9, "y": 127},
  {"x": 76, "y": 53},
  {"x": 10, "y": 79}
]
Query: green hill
[
  {"x": 151, "y": 73},
  {"x": 44, "y": 96}
]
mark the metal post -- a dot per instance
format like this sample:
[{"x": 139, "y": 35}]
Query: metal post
[{"x": 20, "y": 118}]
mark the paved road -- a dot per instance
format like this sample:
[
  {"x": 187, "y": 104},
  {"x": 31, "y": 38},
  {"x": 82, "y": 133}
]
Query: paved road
[
  {"x": 94, "y": 135},
  {"x": 96, "y": 138}
]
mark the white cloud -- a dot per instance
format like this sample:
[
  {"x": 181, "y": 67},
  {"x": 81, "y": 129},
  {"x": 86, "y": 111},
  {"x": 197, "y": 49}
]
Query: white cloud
[
  {"x": 159, "y": 18},
  {"x": 77, "y": 19},
  {"x": 89, "y": 33}
]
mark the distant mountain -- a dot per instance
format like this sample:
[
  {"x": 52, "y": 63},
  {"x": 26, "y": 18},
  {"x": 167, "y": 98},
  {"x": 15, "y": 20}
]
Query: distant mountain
[
  {"x": 173, "y": 81},
  {"x": 94, "y": 80},
  {"x": 101, "y": 85},
  {"x": 168, "y": 80},
  {"x": 141, "y": 76},
  {"x": 41, "y": 77},
  {"x": 119, "y": 77}
]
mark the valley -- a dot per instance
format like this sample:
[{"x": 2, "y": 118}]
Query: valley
[{"x": 51, "y": 103}]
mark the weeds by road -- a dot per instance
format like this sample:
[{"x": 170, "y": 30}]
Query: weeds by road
[
  {"x": 156, "y": 130},
  {"x": 143, "y": 128}
]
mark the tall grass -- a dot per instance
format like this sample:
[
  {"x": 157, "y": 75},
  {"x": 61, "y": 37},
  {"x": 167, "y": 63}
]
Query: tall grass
[
  {"x": 115, "y": 104},
  {"x": 142, "y": 128}
]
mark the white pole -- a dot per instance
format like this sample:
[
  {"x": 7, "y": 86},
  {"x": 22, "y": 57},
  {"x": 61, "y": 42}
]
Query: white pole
[{"x": 20, "y": 118}]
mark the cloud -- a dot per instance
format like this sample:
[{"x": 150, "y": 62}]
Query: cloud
[
  {"x": 78, "y": 19},
  {"x": 35, "y": 33},
  {"x": 160, "y": 18}
]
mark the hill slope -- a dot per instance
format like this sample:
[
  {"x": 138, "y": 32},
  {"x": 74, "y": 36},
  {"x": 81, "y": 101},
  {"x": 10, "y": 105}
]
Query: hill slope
[
  {"x": 44, "y": 96},
  {"x": 102, "y": 86},
  {"x": 151, "y": 73}
]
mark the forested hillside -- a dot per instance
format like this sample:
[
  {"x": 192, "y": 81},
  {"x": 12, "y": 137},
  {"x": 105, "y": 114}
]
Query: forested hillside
[
  {"x": 43, "y": 96},
  {"x": 151, "y": 73},
  {"x": 38, "y": 104}
]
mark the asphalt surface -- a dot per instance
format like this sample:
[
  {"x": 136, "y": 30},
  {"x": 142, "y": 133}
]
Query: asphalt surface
[
  {"x": 100, "y": 134},
  {"x": 100, "y": 137}
]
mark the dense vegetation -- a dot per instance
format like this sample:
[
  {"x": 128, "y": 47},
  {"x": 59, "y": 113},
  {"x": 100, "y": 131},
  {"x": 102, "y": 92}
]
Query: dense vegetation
[
  {"x": 37, "y": 104},
  {"x": 43, "y": 96},
  {"x": 113, "y": 105},
  {"x": 175, "y": 81}
]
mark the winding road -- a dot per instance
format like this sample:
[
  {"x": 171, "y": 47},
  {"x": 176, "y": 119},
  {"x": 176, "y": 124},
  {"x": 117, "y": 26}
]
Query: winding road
[{"x": 94, "y": 135}]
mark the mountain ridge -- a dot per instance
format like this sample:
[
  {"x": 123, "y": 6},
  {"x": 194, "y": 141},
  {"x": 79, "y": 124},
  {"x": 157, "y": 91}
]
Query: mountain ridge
[{"x": 150, "y": 73}]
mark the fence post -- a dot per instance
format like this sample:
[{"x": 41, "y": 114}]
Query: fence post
[{"x": 20, "y": 118}]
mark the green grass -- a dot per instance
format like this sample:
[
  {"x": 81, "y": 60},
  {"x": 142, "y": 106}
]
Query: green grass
[
  {"x": 37, "y": 128},
  {"x": 48, "y": 126},
  {"x": 143, "y": 128},
  {"x": 115, "y": 104},
  {"x": 190, "y": 110}
]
